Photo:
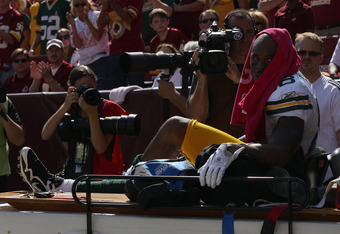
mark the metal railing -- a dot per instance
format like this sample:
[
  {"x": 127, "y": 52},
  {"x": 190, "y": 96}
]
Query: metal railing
[{"x": 89, "y": 204}]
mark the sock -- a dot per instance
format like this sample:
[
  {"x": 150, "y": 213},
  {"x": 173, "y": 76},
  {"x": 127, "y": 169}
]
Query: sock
[{"x": 66, "y": 185}]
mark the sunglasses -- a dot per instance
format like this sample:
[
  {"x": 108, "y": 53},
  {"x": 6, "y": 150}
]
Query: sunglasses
[
  {"x": 310, "y": 53},
  {"x": 20, "y": 60},
  {"x": 67, "y": 36},
  {"x": 80, "y": 4},
  {"x": 207, "y": 20}
]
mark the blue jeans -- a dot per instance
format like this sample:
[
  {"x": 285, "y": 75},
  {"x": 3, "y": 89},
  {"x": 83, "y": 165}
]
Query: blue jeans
[{"x": 113, "y": 77}]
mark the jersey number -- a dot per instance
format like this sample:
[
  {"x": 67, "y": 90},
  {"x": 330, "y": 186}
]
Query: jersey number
[{"x": 49, "y": 26}]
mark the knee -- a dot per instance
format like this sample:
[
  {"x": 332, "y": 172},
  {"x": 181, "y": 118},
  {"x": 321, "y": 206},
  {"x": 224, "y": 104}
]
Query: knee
[{"x": 175, "y": 127}]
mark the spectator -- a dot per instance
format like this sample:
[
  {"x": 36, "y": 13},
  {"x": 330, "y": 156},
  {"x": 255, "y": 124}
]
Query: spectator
[
  {"x": 21, "y": 81},
  {"x": 260, "y": 19},
  {"x": 159, "y": 21},
  {"x": 20, "y": 5},
  {"x": 270, "y": 7},
  {"x": 326, "y": 18},
  {"x": 53, "y": 75},
  {"x": 222, "y": 7},
  {"x": 103, "y": 150},
  {"x": 12, "y": 131},
  {"x": 125, "y": 23},
  {"x": 207, "y": 17},
  {"x": 51, "y": 16},
  {"x": 70, "y": 53},
  {"x": 13, "y": 22},
  {"x": 296, "y": 17},
  {"x": 334, "y": 65},
  {"x": 147, "y": 32},
  {"x": 309, "y": 46},
  {"x": 34, "y": 12},
  {"x": 92, "y": 43},
  {"x": 185, "y": 17}
]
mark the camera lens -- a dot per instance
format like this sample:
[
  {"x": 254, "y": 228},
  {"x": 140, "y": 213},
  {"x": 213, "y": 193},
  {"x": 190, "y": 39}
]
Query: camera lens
[{"x": 91, "y": 96}]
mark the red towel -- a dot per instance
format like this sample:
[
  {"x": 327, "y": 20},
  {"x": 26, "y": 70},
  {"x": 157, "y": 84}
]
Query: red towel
[{"x": 251, "y": 97}]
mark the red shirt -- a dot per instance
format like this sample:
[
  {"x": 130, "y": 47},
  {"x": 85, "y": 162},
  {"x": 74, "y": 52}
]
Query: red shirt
[
  {"x": 125, "y": 37},
  {"x": 13, "y": 84},
  {"x": 11, "y": 22},
  {"x": 326, "y": 13},
  {"x": 100, "y": 164},
  {"x": 61, "y": 76},
  {"x": 174, "y": 37},
  {"x": 187, "y": 22},
  {"x": 297, "y": 20}
]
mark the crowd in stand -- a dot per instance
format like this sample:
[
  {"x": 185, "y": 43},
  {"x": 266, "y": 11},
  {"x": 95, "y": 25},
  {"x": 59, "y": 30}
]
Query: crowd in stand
[{"x": 96, "y": 33}]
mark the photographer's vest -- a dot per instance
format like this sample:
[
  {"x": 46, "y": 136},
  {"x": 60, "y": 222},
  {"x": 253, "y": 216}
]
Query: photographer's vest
[
  {"x": 80, "y": 154},
  {"x": 4, "y": 149}
]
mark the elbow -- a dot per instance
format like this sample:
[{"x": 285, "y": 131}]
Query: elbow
[
  {"x": 20, "y": 140},
  {"x": 101, "y": 150}
]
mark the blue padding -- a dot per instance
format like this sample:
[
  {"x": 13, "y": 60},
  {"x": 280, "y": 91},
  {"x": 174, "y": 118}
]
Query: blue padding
[{"x": 228, "y": 224}]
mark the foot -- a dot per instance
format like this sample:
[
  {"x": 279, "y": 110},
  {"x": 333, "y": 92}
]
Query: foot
[
  {"x": 35, "y": 173},
  {"x": 281, "y": 188}
]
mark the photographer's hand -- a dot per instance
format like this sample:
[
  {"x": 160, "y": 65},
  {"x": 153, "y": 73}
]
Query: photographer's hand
[
  {"x": 71, "y": 97},
  {"x": 233, "y": 73},
  {"x": 88, "y": 109},
  {"x": 52, "y": 123}
]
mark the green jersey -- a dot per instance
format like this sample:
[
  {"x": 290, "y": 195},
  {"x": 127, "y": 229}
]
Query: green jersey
[{"x": 51, "y": 17}]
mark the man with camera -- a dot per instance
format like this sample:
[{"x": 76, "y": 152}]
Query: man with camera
[
  {"x": 98, "y": 154},
  {"x": 212, "y": 95}
]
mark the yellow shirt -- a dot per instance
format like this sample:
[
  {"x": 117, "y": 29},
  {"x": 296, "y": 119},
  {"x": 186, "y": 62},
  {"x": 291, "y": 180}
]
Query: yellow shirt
[
  {"x": 223, "y": 7},
  {"x": 34, "y": 12}
]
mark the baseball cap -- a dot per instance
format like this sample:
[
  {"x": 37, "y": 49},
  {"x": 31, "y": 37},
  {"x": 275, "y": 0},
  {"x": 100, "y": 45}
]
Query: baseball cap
[{"x": 55, "y": 42}]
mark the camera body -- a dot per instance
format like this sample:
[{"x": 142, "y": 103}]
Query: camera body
[
  {"x": 3, "y": 94},
  {"x": 69, "y": 127},
  {"x": 213, "y": 58},
  {"x": 91, "y": 95}
]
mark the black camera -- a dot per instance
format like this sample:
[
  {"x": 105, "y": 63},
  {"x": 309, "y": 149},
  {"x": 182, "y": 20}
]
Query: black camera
[
  {"x": 118, "y": 125},
  {"x": 135, "y": 62},
  {"x": 91, "y": 95},
  {"x": 3, "y": 93},
  {"x": 213, "y": 58}
]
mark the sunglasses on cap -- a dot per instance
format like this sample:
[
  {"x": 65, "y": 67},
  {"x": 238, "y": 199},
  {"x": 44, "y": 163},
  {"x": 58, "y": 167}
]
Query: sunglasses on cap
[
  {"x": 20, "y": 60},
  {"x": 207, "y": 20},
  {"x": 80, "y": 4},
  {"x": 67, "y": 36},
  {"x": 310, "y": 53}
]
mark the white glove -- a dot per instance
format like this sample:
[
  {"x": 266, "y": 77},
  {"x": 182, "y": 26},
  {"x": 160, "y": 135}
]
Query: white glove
[{"x": 211, "y": 173}]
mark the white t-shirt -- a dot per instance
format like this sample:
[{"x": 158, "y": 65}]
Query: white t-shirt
[
  {"x": 328, "y": 95},
  {"x": 294, "y": 97},
  {"x": 91, "y": 50}
]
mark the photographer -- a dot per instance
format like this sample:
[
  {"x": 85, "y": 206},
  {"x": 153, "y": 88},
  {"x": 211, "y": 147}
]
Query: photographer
[
  {"x": 106, "y": 156},
  {"x": 10, "y": 131},
  {"x": 213, "y": 97}
]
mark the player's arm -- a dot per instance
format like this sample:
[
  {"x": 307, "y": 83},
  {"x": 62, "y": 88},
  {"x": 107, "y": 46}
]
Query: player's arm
[{"x": 284, "y": 141}]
